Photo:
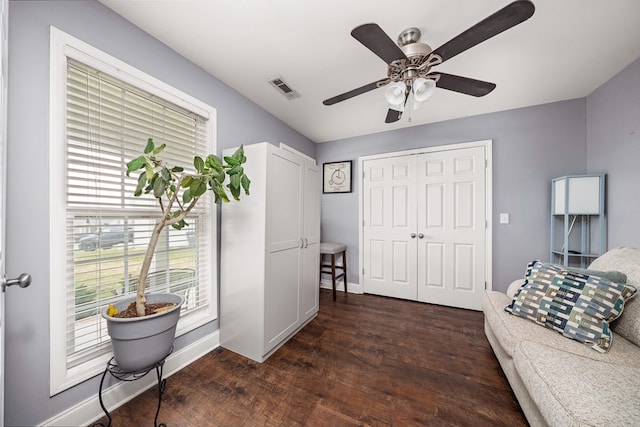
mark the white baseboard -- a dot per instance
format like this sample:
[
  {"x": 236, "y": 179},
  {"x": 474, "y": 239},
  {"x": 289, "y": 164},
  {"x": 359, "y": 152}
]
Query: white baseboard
[
  {"x": 89, "y": 411},
  {"x": 352, "y": 288}
]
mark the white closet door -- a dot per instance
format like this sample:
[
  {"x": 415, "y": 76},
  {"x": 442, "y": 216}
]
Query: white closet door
[
  {"x": 390, "y": 252},
  {"x": 424, "y": 226},
  {"x": 451, "y": 227}
]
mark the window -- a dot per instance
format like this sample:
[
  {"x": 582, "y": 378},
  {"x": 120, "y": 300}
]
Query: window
[{"x": 102, "y": 114}]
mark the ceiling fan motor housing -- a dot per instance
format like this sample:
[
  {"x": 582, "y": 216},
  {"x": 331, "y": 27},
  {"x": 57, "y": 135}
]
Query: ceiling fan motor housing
[{"x": 416, "y": 64}]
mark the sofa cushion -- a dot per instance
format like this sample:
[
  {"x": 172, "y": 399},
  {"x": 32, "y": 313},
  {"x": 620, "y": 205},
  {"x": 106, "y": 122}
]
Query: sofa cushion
[
  {"x": 627, "y": 260},
  {"x": 578, "y": 391},
  {"x": 510, "y": 330},
  {"x": 576, "y": 305}
]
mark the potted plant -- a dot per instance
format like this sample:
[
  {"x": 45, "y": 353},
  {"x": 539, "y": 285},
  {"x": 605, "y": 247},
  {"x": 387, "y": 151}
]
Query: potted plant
[{"x": 142, "y": 330}]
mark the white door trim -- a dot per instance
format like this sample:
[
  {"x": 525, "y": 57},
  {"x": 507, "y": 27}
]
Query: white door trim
[
  {"x": 4, "y": 59},
  {"x": 487, "y": 144}
]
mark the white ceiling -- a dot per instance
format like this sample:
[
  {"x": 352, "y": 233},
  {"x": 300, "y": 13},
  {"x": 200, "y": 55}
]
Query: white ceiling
[{"x": 565, "y": 51}]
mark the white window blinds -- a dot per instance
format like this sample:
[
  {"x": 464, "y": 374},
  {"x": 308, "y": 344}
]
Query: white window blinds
[{"x": 107, "y": 228}]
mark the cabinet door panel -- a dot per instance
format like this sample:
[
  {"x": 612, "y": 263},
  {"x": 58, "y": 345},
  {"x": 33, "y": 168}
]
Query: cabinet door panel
[
  {"x": 281, "y": 297},
  {"x": 310, "y": 285},
  {"x": 285, "y": 201}
]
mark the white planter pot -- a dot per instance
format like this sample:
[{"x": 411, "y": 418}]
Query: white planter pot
[{"x": 140, "y": 342}]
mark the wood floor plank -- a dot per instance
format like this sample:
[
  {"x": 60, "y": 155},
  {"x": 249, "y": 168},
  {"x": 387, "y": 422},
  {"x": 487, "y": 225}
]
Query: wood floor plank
[{"x": 364, "y": 361}]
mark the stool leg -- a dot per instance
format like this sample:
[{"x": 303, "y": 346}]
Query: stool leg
[
  {"x": 344, "y": 265},
  {"x": 333, "y": 274}
]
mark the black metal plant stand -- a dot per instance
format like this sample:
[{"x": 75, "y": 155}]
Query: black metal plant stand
[{"x": 116, "y": 372}]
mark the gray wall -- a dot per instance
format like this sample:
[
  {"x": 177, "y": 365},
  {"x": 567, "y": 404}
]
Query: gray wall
[
  {"x": 27, "y": 311},
  {"x": 530, "y": 147},
  {"x": 599, "y": 133},
  {"x": 613, "y": 144}
]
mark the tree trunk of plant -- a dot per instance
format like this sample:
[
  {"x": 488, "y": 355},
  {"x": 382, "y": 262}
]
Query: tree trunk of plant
[{"x": 146, "y": 264}]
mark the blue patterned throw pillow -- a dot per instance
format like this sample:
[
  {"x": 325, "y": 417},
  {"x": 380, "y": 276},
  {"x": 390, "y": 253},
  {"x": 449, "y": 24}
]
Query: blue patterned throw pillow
[{"x": 579, "y": 306}]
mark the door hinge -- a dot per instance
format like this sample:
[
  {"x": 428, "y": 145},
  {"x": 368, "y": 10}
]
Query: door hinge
[
  {"x": 485, "y": 285},
  {"x": 363, "y": 271}
]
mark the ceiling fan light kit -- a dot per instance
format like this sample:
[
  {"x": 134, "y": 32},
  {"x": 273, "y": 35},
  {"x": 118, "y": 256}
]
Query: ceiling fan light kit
[
  {"x": 409, "y": 62},
  {"x": 395, "y": 93},
  {"x": 423, "y": 89}
]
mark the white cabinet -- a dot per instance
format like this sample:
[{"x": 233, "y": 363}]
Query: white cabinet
[
  {"x": 578, "y": 220},
  {"x": 269, "y": 278}
]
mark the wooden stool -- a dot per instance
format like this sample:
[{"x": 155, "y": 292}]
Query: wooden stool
[{"x": 333, "y": 249}]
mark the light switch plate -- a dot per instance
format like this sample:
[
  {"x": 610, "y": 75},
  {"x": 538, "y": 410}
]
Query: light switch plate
[{"x": 504, "y": 218}]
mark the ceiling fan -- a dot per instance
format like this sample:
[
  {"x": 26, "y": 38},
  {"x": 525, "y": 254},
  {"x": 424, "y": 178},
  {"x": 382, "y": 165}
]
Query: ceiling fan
[{"x": 410, "y": 62}]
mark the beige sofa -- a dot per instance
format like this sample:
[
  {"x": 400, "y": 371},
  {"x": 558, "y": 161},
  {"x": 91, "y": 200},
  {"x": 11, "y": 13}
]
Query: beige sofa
[{"x": 562, "y": 382}]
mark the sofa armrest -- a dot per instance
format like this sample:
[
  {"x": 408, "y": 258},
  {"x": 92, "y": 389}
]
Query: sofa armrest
[{"x": 513, "y": 287}]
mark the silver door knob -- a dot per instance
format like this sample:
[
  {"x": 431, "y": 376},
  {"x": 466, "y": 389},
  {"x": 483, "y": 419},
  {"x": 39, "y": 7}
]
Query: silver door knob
[
  {"x": 23, "y": 280},
  {"x": 413, "y": 235},
  {"x": 421, "y": 235}
]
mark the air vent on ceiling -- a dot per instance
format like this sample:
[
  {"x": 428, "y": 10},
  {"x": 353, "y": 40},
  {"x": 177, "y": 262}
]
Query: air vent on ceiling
[{"x": 284, "y": 88}]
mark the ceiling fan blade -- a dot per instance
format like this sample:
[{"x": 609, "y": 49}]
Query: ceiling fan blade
[
  {"x": 356, "y": 92},
  {"x": 393, "y": 116},
  {"x": 378, "y": 42},
  {"x": 464, "y": 85},
  {"x": 507, "y": 17}
]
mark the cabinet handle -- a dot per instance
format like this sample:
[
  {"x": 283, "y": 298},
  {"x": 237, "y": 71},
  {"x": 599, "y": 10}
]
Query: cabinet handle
[
  {"x": 421, "y": 235},
  {"x": 413, "y": 235},
  {"x": 306, "y": 243}
]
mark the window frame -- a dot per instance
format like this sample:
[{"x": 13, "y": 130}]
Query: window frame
[{"x": 63, "y": 46}]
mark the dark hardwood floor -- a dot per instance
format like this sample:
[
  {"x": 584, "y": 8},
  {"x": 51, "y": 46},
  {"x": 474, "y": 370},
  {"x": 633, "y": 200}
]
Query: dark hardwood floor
[{"x": 364, "y": 361}]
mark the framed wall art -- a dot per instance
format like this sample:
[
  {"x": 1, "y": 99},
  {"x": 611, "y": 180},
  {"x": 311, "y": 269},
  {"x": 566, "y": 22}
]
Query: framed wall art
[{"x": 337, "y": 177}]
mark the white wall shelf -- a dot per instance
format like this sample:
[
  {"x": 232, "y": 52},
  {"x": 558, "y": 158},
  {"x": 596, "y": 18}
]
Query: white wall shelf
[{"x": 578, "y": 219}]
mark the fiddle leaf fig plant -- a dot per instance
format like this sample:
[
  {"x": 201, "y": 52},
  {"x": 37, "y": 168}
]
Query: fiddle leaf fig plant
[{"x": 178, "y": 192}]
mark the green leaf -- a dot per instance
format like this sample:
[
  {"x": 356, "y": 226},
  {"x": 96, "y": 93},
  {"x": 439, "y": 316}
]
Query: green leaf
[
  {"x": 236, "y": 170},
  {"x": 198, "y": 163},
  {"x": 159, "y": 186},
  {"x": 142, "y": 181},
  {"x": 198, "y": 187},
  {"x": 186, "y": 196},
  {"x": 218, "y": 175},
  {"x": 214, "y": 161},
  {"x": 150, "y": 145},
  {"x": 224, "y": 197},
  {"x": 135, "y": 164},
  {"x": 159, "y": 149},
  {"x": 166, "y": 175},
  {"x": 234, "y": 186},
  {"x": 150, "y": 172},
  {"x": 177, "y": 169},
  {"x": 235, "y": 191},
  {"x": 231, "y": 160},
  {"x": 245, "y": 184},
  {"x": 186, "y": 182},
  {"x": 239, "y": 155}
]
